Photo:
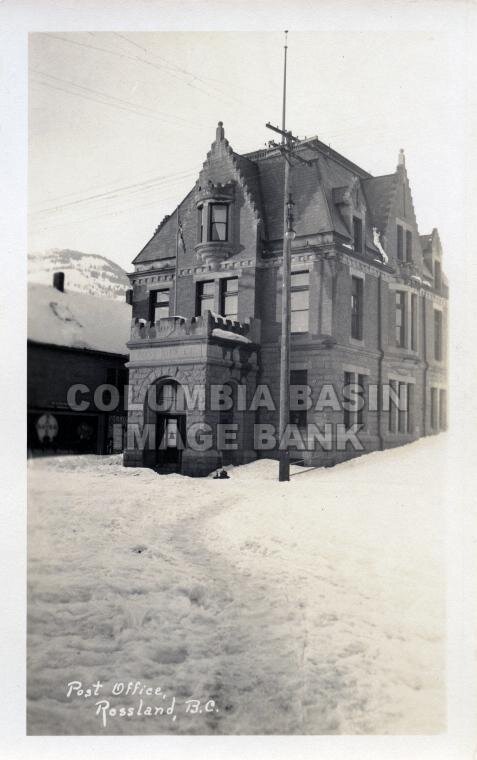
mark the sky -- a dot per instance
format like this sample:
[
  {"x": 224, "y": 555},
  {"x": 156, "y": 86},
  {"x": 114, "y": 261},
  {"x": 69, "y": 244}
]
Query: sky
[{"x": 121, "y": 122}]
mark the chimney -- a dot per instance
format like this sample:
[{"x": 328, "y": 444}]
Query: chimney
[
  {"x": 59, "y": 281},
  {"x": 220, "y": 134}
]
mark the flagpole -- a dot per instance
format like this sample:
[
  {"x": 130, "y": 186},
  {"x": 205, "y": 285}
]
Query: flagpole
[
  {"x": 176, "y": 277},
  {"x": 284, "y": 410}
]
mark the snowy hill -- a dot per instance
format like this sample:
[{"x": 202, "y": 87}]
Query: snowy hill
[{"x": 84, "y": 272}]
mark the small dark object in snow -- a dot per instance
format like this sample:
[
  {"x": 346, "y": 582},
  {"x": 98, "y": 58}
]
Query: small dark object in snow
[
  {"x": 139, "y": 549},
  {"x": 221, "y": 475}
]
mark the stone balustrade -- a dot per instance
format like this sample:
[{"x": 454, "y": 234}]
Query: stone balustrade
[{"x": 196, "y": 328}]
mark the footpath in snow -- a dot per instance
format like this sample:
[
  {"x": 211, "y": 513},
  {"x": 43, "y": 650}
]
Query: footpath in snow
[{"x": 310, "y": 607}]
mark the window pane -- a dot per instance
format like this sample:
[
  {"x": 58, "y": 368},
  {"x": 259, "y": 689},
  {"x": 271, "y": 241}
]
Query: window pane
[
  {"x": 410, "y": 408},
  {"x": 299, "y": 300},
  {"x": 230, "y": 306},
  {"x": 218, "y": 221},
  {"x": 358, "y": 233},
  {"x": 162, "y": 297},
  {"x": 300, "y": 279},
  {"x": 159, "y": 300},
  {"x": 218, "y": 231},
  {"x": 160, "y": 312},
  {"x": 231, "y": 285},
  {"x": 442, "y": 410},
  {"x": 437, "y": 335},
  {"x": 414, "y": 322},
  {"x": 206, "y": 304},
  {"x": 299, "y": 321},
  {"x": 219, "y": 213},
  {"x": 356, "y": 307},
  {"x": 362, "y": 393},
  {"x": 434, "y": 408},
  {"x": 400, "y": 321},
  {"x": 206, "y": 288},
  {"x": 200, "y": 223},
  {"x": 399, "y": 243},
  {"x": 402, "y": 409},
  {"x": 408, "y": 245}
]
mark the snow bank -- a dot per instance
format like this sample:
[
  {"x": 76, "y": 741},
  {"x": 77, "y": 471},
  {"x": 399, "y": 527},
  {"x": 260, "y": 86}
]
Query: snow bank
[
  {"x": 314, "y": 606},
  {"x": 217, "y": 332}
]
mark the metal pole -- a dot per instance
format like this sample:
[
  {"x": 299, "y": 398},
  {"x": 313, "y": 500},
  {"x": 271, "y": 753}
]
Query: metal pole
[
  {"x": 284, "y": 466},
  {"x": 284, "y": 89},
  {"x": 176, "y": 277}
]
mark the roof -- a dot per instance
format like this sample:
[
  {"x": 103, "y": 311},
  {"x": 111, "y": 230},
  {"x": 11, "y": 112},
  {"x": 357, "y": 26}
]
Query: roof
[
  {"x": 77, "y": 320},
  {"x": 315, "y": 189}
]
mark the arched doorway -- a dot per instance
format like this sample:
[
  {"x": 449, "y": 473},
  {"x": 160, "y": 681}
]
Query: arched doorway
[{"x": 164, "y": 408}]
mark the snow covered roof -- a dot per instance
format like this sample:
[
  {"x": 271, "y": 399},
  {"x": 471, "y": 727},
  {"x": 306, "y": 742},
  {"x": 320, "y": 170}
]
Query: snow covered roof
[{"x": 77, "y": 320}]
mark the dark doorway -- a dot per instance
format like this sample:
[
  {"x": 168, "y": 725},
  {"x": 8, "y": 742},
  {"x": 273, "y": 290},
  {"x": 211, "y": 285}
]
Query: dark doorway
[{"x": 170, "y": 441}]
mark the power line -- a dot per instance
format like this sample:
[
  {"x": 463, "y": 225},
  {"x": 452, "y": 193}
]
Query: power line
[
  {"x": 158, "y": 178},
  {"x": 115, "y": 98},
  {"x": 174, "y": 67},
  {"x": 118, "y": 212},
  {"x": 75, "y": 93},
  {"x": 127, "y": 56},
  {"x": 112, "y": 194}
]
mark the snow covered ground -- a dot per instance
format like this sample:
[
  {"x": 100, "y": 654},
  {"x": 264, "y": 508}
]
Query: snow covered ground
[{"x": 310, "y": 607}]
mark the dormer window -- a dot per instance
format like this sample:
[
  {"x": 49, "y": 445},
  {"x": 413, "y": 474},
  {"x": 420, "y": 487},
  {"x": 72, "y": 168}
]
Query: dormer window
[
  {"x": 408, "y": 246},
  {"x": 358, "y": 234},
  {"x": 400, "y": 246},
  {"x": 218, "y": 221}
]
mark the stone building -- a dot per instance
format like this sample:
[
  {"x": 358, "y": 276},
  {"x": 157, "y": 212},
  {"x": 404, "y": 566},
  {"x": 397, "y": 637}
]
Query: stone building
[{"x": 368, "y": 315}]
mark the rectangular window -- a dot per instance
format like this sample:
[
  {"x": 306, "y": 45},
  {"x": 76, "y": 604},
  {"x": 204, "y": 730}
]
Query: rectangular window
[
  {"x": 361, "y": 391},
  {"x": 402, "y": 411},
  {"x": 299, "y": 301},
  {"x": 200, "y": 223},
  {"x": 408, "y": 245},
  {"x": 357, "y": 308},
  {"x": 229, "y": 297},
  {"x": 442, "y": 410},
  {"x": 347, "y": 413},
  {"x": 205, "y": 297},
  {"x": 413, "y": 322},
  {"x": 434, "y": 408},
  {"x": 298, "y": 377},
  {"x": 393, "y": 410},
  {"x": 437, "y": 335},
  {"x": 218, "y": 229},
  {"x": 437, "y": 275},
  {"x": 355, "y": 414},
  {"x": 158, "y": 304},
  {"x": 358, "y": 234},
  {"x": 400, "y": 250},
  {"x": 400, "y": 319},
  {"x": 410, "y": 408}
]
